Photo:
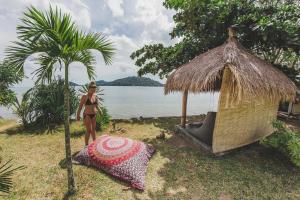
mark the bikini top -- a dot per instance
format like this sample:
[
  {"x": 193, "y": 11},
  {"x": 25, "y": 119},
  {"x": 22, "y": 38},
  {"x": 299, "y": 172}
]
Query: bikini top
[{"x": 88, "y": 101}]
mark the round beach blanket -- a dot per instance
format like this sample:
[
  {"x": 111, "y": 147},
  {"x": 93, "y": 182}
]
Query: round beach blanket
[{"x": 111, "y": 150}]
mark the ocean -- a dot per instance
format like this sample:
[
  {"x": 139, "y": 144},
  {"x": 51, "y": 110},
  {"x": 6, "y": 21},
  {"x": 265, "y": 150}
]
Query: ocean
[{"x": 124, "y": 102}]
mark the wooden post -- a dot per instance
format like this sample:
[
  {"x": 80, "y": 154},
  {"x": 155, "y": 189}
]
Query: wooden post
[
  {"x": 290, "y": 109},
  {"x": 184, "y": 104}
]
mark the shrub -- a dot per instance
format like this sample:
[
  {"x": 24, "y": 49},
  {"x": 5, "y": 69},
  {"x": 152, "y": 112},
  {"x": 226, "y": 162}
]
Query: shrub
[
  {"x": 102, "y": 121},
  {"x": 8, "y": 77},
  {"x": 286, "y": 141},
  {"x": 43, "y": 105}
]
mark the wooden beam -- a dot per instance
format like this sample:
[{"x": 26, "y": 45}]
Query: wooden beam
[{"x": 184, "y": 105}]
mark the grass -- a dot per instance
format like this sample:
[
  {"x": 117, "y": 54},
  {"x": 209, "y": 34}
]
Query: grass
[
  {"x": 177, "y": 171},
  {"x": 3, "y": 121},
  {"x": 5, "y": 124}
]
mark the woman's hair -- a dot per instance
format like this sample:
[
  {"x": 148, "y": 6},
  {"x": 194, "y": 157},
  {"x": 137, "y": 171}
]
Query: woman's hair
[{"x": 92, "y": 84}]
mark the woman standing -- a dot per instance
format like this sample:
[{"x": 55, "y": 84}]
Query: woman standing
[{"x": 91, "y": 106}]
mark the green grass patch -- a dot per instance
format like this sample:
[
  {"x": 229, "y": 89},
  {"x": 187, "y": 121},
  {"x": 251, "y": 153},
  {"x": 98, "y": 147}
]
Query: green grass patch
[
  {"x": 178, "y": 170},
  {"x": 2, "y": 121}
]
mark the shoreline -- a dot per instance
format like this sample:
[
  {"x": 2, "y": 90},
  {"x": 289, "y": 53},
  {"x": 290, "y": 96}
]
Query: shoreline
[
  {"x": 131, "y": 119},
  {"x": 141, "y": 118}
]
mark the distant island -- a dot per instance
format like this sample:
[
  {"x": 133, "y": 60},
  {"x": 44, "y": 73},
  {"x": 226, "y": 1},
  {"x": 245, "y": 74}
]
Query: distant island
[
  {"x": 73, "y": 84},
  {"x": 128, "y": 81}
]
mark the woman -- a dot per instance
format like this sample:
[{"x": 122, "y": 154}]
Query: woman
[{"x": 90, "y": 102}]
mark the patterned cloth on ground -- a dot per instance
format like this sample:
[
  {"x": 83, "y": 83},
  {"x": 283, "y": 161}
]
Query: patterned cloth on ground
[{"x": 121, "y": 157}]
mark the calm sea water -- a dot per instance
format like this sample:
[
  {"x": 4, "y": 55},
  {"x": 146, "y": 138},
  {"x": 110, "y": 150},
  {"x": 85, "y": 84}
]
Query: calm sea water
[{"x": 125, "y": 102}]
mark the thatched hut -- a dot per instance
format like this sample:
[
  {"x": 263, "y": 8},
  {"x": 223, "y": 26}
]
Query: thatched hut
[{"x": 250, "y": 92}]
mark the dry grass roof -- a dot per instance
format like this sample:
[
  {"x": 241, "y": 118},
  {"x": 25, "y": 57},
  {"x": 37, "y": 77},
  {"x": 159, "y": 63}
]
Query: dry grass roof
[{"x": 250, "y": 74}]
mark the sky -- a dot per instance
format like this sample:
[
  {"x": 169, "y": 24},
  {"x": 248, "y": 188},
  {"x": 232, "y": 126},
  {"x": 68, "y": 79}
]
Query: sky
[{"x": 130, "y": 24}]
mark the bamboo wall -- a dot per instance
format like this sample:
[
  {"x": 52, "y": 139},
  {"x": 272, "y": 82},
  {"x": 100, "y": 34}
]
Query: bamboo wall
[
  {"x": 296, "y": 108},
  {"x": 242, "y": 123}
]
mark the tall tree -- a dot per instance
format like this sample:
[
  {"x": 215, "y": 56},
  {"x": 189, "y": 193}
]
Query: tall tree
[
  {"x": 56, "y": 42},
  {"x": 270, "y": 28}
]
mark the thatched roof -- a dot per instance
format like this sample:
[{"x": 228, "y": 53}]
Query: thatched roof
[{"x": 251, "y": 74}]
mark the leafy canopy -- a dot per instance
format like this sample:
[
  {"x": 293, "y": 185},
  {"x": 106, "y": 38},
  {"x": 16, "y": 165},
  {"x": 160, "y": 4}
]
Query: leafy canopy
[
  {"x": 271, "y": 29},
  {"x": 8, "y": 77},
  {"x": 55, "y": 38}
]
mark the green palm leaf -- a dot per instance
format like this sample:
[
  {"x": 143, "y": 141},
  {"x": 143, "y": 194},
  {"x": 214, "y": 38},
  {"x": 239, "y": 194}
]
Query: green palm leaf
[{"x": 6, "y": 172}]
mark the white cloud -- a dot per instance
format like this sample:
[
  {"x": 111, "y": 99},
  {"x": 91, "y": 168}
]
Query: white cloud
[
  {"x": 116, "y": 7},
  {"x": 155, "y": 19},
  {"x": 149, "y": 12},
  {"x": 78, "y": 10},
  {"x": 11, "y": 11},
  {"x": 130, "y": 24}
]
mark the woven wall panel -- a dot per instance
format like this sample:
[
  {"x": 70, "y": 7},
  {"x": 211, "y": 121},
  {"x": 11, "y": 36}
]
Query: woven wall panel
[{"x": 241, "y": 122}]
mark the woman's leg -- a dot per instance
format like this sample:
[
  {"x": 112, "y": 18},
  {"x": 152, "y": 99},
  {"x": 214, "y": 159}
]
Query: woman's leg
[
  {"x": 88, "y": 125},
  {"x": 93, "y": 131}
]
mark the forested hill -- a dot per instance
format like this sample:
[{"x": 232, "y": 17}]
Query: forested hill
[
  {"x": 73, "y": 84},
  {"x": 131, "y": 81}
]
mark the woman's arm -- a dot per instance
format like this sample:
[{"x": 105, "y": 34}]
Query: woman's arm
[{"x": 82, "y": 100}]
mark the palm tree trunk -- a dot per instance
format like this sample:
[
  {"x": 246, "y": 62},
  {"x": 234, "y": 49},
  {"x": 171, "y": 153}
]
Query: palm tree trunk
[{"x": 71, "y": 181}]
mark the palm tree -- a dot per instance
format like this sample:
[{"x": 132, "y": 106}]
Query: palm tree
[{"x": 56, "y": 42}]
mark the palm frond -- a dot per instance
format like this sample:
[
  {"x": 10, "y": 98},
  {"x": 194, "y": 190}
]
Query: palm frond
[
  {"x": 88, "y": 60},
  {"x": 98, "y": 42},
  {"x": 6, "y": 172},
  {"x": 45, "y": 72},
  {"x": 33, "y": 25},
  {"x": 17, "y": 53}
]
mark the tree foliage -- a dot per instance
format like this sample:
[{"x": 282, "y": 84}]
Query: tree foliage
[
  {"x": 270, "y": 29},
  {"x": 286, "y": 141},
  {"x": 102, "y": 120},
  {"x": 43, "y": 105},
  {"x": 8, "y": 77}
]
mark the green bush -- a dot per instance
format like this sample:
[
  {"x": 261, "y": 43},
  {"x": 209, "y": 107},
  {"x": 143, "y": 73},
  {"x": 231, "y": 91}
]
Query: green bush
[
  {"x": 43, "y": 105},
  {"x": 8, "y": 77},
  {"x": 102, "y": 121},
  {"x": 286, "y": 141}
]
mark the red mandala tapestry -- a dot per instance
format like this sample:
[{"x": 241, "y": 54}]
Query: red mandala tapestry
[
  {"x": 120, "y": 157},
  {"x": 109, "y": 150}
]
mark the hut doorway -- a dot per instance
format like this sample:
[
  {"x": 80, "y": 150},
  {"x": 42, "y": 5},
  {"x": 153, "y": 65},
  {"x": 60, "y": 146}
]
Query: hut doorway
[{"x": 199, "y": 130}]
